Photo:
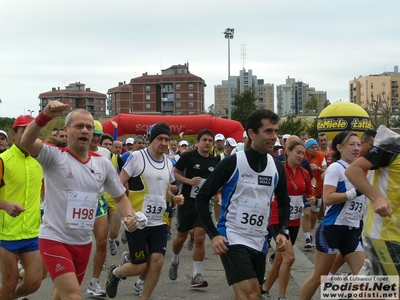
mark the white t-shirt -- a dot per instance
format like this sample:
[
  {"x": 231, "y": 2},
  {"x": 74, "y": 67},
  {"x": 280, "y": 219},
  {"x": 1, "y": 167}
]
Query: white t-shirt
[{"x": 65, "y": 178}]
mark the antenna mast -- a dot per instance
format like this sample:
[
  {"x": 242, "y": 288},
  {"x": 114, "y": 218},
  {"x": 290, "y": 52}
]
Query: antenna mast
[{"x": 243, "y": 55}]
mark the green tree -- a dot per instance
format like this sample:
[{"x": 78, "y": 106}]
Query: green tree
[
  {"x": 294, "y": 125},
  {"x": 211, "y": 110},
  {"x": 243, "y": 105},
  {"x": 311, "y": 105}
]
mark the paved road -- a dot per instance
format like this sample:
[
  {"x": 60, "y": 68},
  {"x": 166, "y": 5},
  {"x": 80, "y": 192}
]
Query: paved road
[{"x": 180, "y": 289}]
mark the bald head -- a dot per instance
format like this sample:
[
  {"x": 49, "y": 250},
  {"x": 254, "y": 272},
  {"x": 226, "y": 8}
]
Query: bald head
[{"x": 292, "y": 138}]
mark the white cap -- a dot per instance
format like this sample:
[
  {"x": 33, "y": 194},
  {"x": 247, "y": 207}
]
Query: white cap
[
  {"x": 129, "y": 141},
  {"x": 231, "y": 142},
  {"x": 285, "y": 136},
  {"x": 219, "y": 137},
  {"x": 277, "y": 143},
  {"x": 183, "y": 142},
  {"x": 4, "y": 133}
]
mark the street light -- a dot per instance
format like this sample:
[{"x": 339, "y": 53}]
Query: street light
[
  {"x": 229, "y": 35},
  {"x": 31, "y": 111}
]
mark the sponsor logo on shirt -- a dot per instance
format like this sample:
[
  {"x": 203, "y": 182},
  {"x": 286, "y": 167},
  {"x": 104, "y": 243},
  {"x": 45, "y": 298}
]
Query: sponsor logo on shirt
[
  {"x": 196, "y": 166},
  {"x": 265, "y": 180}
]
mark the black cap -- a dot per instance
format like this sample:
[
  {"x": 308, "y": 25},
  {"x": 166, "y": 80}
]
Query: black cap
[{"x": 338, "y": 139}]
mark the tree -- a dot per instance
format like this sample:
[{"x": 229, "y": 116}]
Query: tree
[
  {"x": 211, "y": 110},
  {"x": 311, "y": 105},
  {"x": 382, "y": 110},
  {"x": 294, "y": 125},
  {"x": 243, "y": 105}
]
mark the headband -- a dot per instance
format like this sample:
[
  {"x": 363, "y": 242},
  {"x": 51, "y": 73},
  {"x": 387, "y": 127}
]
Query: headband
[{"x": 155, "y": 132}]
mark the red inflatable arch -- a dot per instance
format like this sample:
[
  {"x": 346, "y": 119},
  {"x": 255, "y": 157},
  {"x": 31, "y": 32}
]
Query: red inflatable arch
[{"x": 189, "y": 125}]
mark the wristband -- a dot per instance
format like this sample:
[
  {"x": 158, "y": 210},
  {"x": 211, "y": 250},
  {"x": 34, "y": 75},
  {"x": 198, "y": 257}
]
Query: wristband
[
  {"x": 42, "y": 119},
  {"x": 351, "y": 194}
]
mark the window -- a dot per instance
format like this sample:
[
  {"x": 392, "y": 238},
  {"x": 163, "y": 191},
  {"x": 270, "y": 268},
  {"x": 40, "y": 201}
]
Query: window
[
  {"x": 191, "y": 104},
  {"x": 191, "y": 86},
  {"x": 372, "y": 85},
  {"x": 178, "y": 95},
  {"x": 383, "y": 84},
  {"x": 147, "y": 97},
  {"x": 148, "y": 106},
  {"x": 190, "y": 95},
  {"x": 178, "y": 86},
  {"x": 178, "y": 105}
]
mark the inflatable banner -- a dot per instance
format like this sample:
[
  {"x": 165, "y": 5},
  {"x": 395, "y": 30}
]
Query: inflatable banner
[{"x": 189, "y": 125}]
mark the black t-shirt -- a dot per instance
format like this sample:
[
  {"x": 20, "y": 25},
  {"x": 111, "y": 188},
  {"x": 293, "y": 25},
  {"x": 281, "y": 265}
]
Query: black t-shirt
[{"x": 192, "y": 164}]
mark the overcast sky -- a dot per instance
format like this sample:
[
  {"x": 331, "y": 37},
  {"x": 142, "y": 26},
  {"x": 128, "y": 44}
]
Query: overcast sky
[{"x": 45, "y": 44}]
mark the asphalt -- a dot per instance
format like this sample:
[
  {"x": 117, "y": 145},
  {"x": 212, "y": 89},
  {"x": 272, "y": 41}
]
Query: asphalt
[{"x": 180, "y": 289}]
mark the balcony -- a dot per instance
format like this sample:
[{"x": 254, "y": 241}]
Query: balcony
[{"x": 168, "y": 108}]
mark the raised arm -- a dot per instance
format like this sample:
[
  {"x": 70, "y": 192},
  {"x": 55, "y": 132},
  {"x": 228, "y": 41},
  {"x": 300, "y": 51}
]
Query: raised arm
[{"x": 29, "y": 139}]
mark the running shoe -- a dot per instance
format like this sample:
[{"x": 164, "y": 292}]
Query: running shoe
[
  {"x": 95, "y": 289},
  {"x": 173, "y": 271},
  {"x": 198, "y": 281},
  {"x": 20, "y": 268},
  {"x": 138, "y": 289},
  {"x": 123, "y": 238},
  {"x": 113, "y": 247},
  {"x": 265, "y": 296},
  {"x": 124, "y": 260},
  {"x": 308, "y": 244},
  {"x": 190, "y": 244},
  {"x": 271, "y": 258},
  {"x": 112, "y": 283}
]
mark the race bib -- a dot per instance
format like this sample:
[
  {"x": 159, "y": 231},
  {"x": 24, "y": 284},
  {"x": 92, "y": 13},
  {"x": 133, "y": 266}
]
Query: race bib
[
  {"x": 196, "y": 188},
  {"x": 154, "y": 207},
  {"x": 252, "y": 216},
  {"x": 81, "y": 210},
  {"x": 296, "y": 207},
  {"x": 354, "y": 209}
]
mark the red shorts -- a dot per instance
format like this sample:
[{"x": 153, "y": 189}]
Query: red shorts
[{"x": 61, "y": 258}]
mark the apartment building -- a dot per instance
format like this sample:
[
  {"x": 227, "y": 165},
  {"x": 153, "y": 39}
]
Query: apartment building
[
  {"x": 77, "y": 96},
  {"x": 293, "y": 96},
  {"x": 174, "y": 91},
  {"x": 383, "y": 88},
  {"x": 245, "y": 81}
]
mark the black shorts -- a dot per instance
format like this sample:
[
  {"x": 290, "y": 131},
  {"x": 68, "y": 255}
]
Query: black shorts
[
  {"x": 273, "y": 231},
  {"x": 243, "y": 263},
  {"x": 188, "y": 217},
  {"x": 337, "y": 238},
  {"x": 153, "y": 238}
]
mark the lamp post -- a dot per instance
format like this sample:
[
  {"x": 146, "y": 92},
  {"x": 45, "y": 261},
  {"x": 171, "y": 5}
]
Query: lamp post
[
  {"x": 31, "y": 111},
  {"x": 229, "y": 35}
]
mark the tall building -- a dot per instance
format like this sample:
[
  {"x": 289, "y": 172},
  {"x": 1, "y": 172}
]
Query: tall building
[
  {"x": 77, "y": 96},
  {"x": 366, "y": 90},
  {"x": 265, "y": 95},
  {"x": 221, "y": 95},
  {"x": 245, "y": 81},
  {"x": 175, "y": 91},
  {"x": 294, "y": 95}
]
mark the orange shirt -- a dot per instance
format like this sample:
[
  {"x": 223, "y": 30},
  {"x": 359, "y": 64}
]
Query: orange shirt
[{"x": 318, "y": 160}]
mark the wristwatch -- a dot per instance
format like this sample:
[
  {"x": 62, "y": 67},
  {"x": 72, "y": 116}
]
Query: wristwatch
[{"x": 285, "y": 232}]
